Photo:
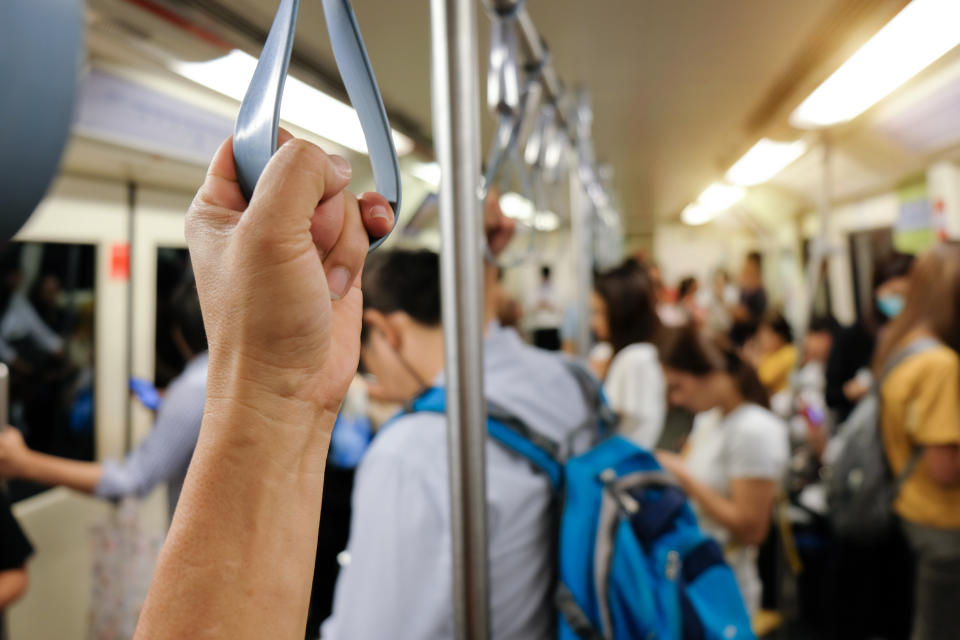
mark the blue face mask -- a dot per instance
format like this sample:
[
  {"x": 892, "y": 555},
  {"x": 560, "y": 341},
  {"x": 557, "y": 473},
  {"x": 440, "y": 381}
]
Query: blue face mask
[{"x": 890, "y": 305}]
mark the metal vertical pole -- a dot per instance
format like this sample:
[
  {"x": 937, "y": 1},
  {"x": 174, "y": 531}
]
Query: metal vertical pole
[
  {"x": 456, "y": 118},
  {"x": 131, "y": 312},
  {"x": 582, "y": 240}
]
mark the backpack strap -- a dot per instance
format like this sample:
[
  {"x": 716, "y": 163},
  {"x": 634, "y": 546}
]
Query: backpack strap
[
  {"x": 916, "y": 347},
  {"x": 574, "y": 615},
  {"x": 601, "y": 418},
  {"x": 507, "y": 430}
]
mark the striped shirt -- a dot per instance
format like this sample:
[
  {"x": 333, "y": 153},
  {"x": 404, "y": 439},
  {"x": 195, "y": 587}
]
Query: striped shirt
[{"x": 165, "y": 453}]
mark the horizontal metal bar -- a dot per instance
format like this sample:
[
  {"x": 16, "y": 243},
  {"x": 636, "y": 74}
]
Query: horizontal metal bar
[{"x": 537, "y": 54}]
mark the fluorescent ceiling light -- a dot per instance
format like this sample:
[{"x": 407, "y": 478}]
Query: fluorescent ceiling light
[
  {"x": 519, "y": 208},
  {"x": 695, "y": 215},
  {"x": 547, "y": 221},
  {"x": 428, "y": 172},
  {"x": 917, "y": 36},
  {"x": 303, "y": 105},
  {"x": 720, "y": 197},
  {"x": 764, "y": 160}
]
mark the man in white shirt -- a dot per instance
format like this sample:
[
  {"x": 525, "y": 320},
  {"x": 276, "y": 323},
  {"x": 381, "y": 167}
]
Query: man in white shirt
[{"x": 398, "y": 581}]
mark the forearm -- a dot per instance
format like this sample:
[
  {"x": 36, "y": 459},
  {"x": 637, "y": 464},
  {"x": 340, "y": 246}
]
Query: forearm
[
  {"x": 13, "y": 584},
  {"x": 943, "y": 464},
  {"x": 54, "y": 471},
  {"x": 721, "y": 509},
  {"x": 238, "y": 560}
]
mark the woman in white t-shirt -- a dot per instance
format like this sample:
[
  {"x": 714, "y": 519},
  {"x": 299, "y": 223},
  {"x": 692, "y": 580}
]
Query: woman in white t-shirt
[
  {"x": 737, "y": 454},
  {"x": 623, "y": 313}
]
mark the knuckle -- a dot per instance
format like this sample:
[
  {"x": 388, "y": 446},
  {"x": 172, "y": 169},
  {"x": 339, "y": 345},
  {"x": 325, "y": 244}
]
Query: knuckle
[{"x": 303, "y": 152}]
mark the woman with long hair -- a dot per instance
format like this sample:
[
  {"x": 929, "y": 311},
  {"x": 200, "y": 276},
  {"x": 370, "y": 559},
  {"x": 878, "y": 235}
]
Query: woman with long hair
[
  {"x": 920, "y": 419},
  {"x": 624, "y": 314},
  {"x": 738, "y": 451}
]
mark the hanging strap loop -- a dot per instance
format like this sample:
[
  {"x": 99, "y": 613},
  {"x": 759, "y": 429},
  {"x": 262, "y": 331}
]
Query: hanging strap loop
[{"x": 255, "y": 133}]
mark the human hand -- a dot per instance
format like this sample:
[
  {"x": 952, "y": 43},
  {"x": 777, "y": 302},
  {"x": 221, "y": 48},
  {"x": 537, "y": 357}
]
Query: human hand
[
  {"x": 279, "y": 279},
  {"x": 498, "y": 227},
  {"x": 855, "y": 389},
  {"x": 672, "y": 463}
]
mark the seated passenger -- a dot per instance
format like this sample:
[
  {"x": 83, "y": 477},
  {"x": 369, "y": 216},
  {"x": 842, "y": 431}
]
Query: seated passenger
[
  {"x": 163, "y": 457},
  {"x": 920, "y": 418},
  {"x": 624, "y": 313},
  {"x": 737, "y": 455},
  {"x": 398, "y": 582}
]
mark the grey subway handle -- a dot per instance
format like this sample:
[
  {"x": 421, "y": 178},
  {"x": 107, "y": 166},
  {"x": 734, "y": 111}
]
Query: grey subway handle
[{"x": 255, "y": 133}]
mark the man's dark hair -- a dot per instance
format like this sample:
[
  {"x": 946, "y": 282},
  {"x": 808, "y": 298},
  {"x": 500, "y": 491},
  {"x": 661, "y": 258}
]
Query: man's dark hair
[
  {"x": 404, "y": 280},
  {"x": 756, "y": 258},
  {"x": 686, "y": 286},
  {"x": 545, "y": 272}
]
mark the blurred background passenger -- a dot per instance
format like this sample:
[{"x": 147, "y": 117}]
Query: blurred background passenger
[
  {"x": 687, "y": 301},
  {"x": 162, "y": 457},
  {"x": 624, "y": 313},
  {"x": 546, "y": 315},
  {"x": 718, "y": 301},
  {"x": 920, "y": 418},
  {"x": 848, "y": 374},
  {"x": 775, "y": 355},
  {"x": 737, "y": 455},
  {"x": 752, "y": 304},
  {"x": 808, "y": 384}
]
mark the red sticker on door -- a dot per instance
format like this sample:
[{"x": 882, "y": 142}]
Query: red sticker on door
[{"x": 120, "y": 261}]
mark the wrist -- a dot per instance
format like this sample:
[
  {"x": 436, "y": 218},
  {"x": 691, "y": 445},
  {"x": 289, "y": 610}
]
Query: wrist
[
  {"x": 26, "y": 466},
  {"x": 243, "y": 377}
]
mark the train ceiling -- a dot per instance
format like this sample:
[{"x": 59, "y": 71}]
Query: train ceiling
[{"x": 680, "y": 89}]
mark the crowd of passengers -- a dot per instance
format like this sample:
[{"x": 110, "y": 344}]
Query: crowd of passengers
[{"x": 740, "y": 410}]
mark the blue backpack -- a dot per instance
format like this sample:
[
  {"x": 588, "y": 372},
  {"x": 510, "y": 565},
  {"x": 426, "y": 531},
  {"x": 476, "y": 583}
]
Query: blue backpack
[{"x": 632, "y": 561}]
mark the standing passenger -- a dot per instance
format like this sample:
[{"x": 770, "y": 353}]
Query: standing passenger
[
  {"x": 753, "y": 299},
  {"x": 777, "y": 355},
  {"x": 624, "y": 313},
  {"x": 737, "y": 454},
  {"x": 164, "y": 454},
  {"x": 398, "y": 582},
  {"x": 920, "y": 417}
]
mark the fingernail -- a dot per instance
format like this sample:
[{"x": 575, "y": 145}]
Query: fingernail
[
  {"x": 338, "y": 281},
  {"x": 341, "y": 166},
  {"x": 378, "y": 211}
]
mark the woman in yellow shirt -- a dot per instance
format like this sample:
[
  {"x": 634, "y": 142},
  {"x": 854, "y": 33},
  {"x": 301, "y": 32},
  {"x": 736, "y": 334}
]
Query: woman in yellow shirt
[
  {"x": 921, "y": 413},
  {"x": 779, "y": 355}
]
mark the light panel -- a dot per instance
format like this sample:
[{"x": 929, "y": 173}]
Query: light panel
[
  {"x": 302, "y": 104},
  {"x": 720, "y": 197},
  {"x": 696, "y": 215},
  {"x": 764, "y": 160},
  {"x": 916, "y": 37}
]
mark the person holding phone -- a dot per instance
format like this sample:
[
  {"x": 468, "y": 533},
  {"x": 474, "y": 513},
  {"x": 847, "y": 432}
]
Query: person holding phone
[{"x": 163, "y": 457}]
